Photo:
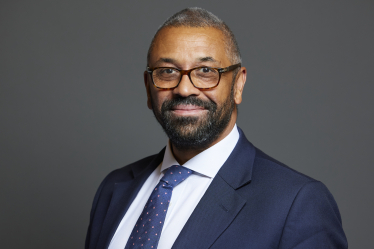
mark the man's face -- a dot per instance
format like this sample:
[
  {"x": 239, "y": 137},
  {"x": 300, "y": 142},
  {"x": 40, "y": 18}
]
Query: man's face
[{"x": 191, "y": 118}]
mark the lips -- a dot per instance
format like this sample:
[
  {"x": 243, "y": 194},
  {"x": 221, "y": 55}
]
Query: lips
[
  {"x": 188, "y": 110},
  {"x": 188, "y": 107}
]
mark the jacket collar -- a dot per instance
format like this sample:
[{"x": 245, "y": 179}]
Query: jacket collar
[{"x": 237, "y": 170}]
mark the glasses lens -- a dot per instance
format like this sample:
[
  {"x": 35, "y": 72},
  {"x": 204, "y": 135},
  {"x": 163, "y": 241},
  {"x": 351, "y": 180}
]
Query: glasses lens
[
  {"x": 166, "y": 77},
  {"x": 205, "y": 77}
]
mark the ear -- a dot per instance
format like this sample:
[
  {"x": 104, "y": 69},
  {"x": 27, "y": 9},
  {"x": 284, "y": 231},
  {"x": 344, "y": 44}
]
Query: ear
[
  {"x": 240, "y": 80},
  {"x": 147, "y": 87}
]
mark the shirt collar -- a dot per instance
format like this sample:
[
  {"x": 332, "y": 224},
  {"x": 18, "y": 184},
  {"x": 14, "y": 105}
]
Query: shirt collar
[{"x": 209, "y": 161}]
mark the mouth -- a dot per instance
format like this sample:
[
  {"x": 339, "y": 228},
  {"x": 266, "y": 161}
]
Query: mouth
[{"x": 188, "y": 110}]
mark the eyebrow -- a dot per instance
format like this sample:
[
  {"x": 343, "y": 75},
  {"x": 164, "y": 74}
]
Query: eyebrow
[
  {"x": 207, "y": 58},
  {"x": 167, "y": 60}
]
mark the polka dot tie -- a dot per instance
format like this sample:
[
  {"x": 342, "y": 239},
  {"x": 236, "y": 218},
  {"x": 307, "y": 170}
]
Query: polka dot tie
[{"x": 147, "y": 230}]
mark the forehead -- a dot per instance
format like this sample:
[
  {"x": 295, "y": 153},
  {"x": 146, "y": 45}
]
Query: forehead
[{"x": 188, "y": 45}]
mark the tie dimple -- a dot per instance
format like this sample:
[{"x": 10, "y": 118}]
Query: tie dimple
[{"x": 147, "y": 230}]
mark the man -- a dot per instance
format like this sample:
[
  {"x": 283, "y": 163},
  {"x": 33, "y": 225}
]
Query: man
[{"x": 210, "y": 187}]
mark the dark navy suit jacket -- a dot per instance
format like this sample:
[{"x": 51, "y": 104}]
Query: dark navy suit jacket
[{"x": 253, "y": 202}]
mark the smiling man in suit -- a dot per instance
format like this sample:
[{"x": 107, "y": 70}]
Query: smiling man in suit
[{"x": 210, "y": 187}]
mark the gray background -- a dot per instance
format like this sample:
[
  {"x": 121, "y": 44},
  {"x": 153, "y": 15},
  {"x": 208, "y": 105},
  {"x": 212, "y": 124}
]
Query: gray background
[{"x": 73, "y": 104}]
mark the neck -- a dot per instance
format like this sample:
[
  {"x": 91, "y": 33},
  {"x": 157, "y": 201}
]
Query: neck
[{"x": 183, "y": 155}]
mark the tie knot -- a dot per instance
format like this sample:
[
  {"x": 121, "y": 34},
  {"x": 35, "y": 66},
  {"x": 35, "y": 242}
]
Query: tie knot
[{"x": 175, "y": 175}]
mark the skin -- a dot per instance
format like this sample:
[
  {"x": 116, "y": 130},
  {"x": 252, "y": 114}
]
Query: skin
[{"x": 186, "y": 48}]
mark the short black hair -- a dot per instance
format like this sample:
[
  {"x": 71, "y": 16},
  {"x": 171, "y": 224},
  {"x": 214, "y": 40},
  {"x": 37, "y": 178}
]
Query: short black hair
[{"x": 196, "y": 17}]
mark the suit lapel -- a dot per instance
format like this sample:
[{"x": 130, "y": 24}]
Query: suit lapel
[
  {"x": 220, "y": 204},
  {"x": 124, "y": 194},
  {"x": 212, "y": 216}
]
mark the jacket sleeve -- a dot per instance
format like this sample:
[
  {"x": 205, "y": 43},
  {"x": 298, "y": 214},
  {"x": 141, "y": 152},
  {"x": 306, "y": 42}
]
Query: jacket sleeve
[{"x": 313, "y": 220}]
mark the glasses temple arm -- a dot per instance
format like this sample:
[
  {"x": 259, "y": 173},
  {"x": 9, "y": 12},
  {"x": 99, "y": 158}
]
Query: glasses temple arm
[{"x": 230, "y": 68}]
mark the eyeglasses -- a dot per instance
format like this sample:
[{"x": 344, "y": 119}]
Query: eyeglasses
[{"x": 203, "y": 78}]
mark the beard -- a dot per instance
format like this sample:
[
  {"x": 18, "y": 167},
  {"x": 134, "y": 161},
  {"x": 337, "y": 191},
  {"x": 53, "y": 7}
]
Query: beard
[{"x": 194, "y": 132}]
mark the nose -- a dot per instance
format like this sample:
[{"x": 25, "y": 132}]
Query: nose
[{"x": 186, "y": 88}]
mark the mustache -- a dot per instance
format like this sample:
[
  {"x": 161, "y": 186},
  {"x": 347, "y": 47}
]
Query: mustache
[{"x": 190, "y": 100}]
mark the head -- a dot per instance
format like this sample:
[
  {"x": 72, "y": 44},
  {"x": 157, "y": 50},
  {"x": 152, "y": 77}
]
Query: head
[
  {"x": 200, "y": 18},
  {"x": 195, "y": 118}
]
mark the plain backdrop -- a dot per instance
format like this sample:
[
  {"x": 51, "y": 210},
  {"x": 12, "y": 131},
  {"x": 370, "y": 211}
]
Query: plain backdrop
[{"x": 73, "y": 103}]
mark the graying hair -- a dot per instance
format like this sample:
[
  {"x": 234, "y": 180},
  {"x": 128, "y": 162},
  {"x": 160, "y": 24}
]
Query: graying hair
[{"x": 196, "y": 17}]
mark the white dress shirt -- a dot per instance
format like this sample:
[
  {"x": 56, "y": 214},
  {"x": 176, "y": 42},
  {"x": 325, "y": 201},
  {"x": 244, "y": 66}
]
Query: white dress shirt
[{"x": 186, "y": 195}]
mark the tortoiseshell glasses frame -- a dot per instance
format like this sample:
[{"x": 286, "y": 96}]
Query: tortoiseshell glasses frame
[{"x": 188, "y": 72}]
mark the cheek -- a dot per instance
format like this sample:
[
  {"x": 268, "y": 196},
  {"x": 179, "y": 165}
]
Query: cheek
[
  {"x": 158, "y": 98},
  {"x": 220, "y": 95}
]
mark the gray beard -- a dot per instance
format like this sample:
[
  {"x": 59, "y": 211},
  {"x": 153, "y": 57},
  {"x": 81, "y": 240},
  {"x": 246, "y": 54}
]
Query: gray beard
[{"x": 187, "y": 133}]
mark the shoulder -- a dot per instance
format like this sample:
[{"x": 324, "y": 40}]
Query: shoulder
[
  {"x": 304, "y": 206},
  {"x": 281, "y": 188},
  {"x": 281, "y": 183},
  {"x": 295, "y": 210},
  {"x": 276, "y": 171},
  {"x": 287, "y": 180}
]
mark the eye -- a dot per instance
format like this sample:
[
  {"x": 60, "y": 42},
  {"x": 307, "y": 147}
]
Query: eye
[
  {"x": 167, "y": 71},
  {"x": 206, "y": 70}
]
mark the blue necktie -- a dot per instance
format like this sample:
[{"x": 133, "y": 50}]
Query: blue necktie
[{"x": 147, "y": 230}]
